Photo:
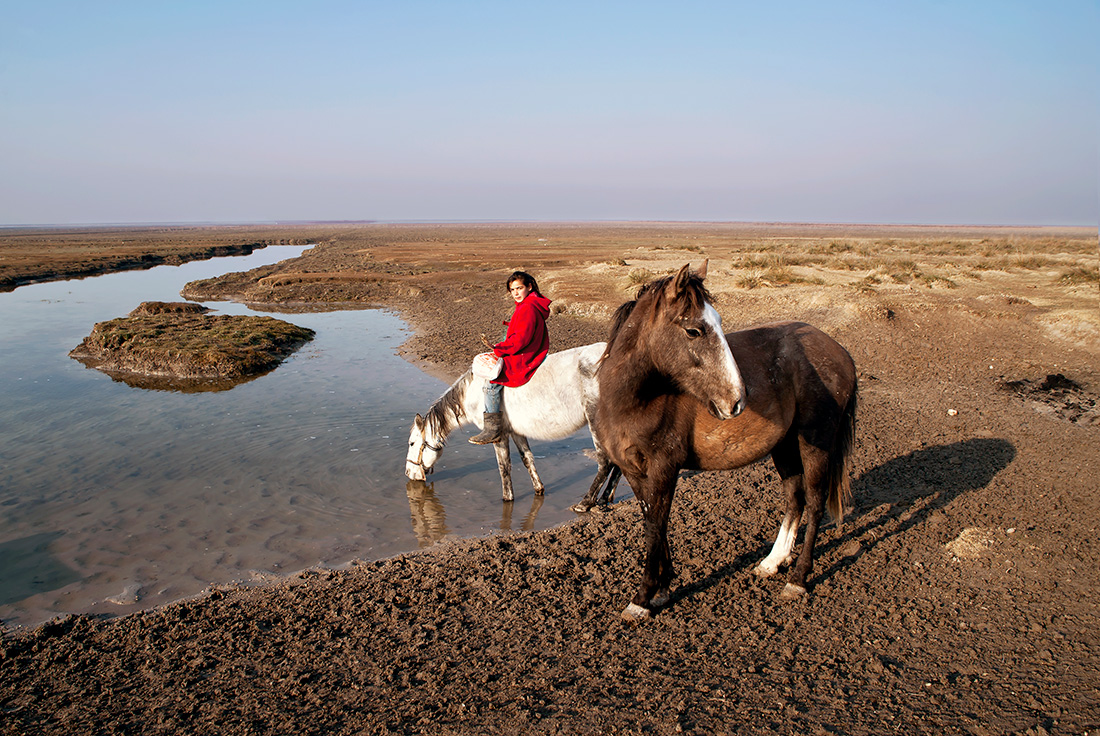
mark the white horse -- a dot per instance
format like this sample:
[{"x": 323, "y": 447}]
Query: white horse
[{"x": 558, "y": 400}]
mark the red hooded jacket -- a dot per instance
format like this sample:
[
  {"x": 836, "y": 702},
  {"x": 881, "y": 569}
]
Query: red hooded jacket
[{"x": 526, "y": 343}]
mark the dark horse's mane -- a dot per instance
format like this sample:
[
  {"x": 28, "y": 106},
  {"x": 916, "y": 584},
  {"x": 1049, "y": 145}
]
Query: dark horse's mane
[{"x": 695, "y": 292}]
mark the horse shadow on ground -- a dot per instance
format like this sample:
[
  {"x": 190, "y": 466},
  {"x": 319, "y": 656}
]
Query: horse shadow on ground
[{"x": 908, "y": 489}]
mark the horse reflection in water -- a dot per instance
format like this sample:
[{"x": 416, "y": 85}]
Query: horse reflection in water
[
  {"x": 429, "y": 517},
  {"x": 558, "y": 400},
  {"x": 673, "y": 397}
]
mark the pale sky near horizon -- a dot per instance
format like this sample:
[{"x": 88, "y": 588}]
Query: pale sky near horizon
[{"x": 967, "y": 112}]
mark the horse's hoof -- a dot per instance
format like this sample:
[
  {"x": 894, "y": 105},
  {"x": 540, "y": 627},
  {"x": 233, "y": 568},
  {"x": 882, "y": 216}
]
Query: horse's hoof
[
  {"x": 761, "y": 571},
  {"x": 580, "y": 508},
  {"x": 604, "y": 508},
  {"x": 792, "y": 592},
  {"x": 660, "y": 598},
  {"x": 635, "y": 614}
]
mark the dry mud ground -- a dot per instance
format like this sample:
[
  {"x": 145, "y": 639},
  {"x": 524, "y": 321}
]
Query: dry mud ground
[{"x": 959, "y": 596}]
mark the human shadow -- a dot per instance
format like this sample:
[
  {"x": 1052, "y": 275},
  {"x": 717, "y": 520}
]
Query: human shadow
[
  {"x": 912, "y": 486},
  {"x": 30, "y": 568}
]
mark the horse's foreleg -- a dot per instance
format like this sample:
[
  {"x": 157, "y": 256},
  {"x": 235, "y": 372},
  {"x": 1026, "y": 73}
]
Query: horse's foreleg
[
  {"x": 657, "y": 571},
  {"x": 529, "y": 462},
  {"x": 504, "y": 465}
]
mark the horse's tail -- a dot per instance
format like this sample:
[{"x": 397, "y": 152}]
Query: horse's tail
[{"x": 840, "y": 489}]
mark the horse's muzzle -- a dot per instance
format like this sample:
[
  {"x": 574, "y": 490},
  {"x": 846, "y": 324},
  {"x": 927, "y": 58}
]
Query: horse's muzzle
[{"x": 723, "y": 410}]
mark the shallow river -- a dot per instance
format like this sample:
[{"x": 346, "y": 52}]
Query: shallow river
[{"x": 116, "y": 498}]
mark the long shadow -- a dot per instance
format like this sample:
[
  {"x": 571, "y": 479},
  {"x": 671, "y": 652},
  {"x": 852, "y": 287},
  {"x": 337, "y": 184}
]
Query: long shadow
[
  {"x": 915, "y": 485},
  {"x": 30, "y": 568}
]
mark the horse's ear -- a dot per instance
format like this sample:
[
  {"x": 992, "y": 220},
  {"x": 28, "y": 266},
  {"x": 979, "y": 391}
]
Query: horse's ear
[
  {"x": 677, "y": 285},
  {"x": 702, "y": 272},
  {"x": 418, "y": 421}
]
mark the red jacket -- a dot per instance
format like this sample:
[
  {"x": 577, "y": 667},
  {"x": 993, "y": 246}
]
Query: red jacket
[{"x": 526, "y": 343}]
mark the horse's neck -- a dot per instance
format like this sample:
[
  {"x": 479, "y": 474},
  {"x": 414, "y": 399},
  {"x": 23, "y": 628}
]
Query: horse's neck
[
  {"x": 637, "y": 379},
  {"x": 451, "y": 409}
]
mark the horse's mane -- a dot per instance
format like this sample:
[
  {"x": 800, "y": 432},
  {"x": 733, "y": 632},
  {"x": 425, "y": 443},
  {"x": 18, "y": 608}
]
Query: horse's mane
[
  {"x": 444, "y": 416},
  {"x": 695, "y": 292}
]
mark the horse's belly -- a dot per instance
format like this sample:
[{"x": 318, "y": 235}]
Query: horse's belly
[
  {"x": 537, "y": 418},
  {"x": 736, "y": 442}
]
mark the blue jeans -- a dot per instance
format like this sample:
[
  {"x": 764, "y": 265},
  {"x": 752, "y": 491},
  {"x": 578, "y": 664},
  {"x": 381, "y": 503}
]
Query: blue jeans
[{"x": 493, "y": 394}]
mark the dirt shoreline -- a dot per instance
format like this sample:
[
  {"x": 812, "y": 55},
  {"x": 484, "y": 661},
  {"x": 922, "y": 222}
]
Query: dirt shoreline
[{"x": 958, "y": 597}]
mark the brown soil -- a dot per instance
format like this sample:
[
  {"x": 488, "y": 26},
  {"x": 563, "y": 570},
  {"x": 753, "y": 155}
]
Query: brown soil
[
  {"x": 174, "y": 345},
  {"x": 959, "y": 596}
]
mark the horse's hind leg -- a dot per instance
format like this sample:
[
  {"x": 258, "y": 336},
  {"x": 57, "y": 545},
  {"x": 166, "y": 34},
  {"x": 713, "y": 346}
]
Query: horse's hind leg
[
  {"x": 605, "y": 471},
  {"x": 504, "y": 465},
  {"x": 608, "y": 493},
  {"x": 788, "y": 463},
  {"x": 815, "y": 462},
  {"x": 529, "y": 462}
]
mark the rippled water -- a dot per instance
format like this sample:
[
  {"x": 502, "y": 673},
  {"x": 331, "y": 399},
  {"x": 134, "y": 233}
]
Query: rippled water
[{"x": 116, "y": 498}]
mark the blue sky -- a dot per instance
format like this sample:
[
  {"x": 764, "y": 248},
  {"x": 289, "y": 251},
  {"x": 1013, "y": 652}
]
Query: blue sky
[{"x": 877, "y": 112}]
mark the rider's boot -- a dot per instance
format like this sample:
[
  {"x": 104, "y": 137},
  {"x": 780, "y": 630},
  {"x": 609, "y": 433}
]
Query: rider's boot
[{"x": 491, "y": 433}]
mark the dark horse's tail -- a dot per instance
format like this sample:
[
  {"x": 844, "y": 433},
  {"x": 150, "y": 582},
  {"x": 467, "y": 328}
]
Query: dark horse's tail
[{"x": 840, "y": 490}]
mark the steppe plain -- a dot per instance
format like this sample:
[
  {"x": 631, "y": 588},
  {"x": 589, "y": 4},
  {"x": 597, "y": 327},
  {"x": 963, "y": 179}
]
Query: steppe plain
[{"x": 960, "y": 595}]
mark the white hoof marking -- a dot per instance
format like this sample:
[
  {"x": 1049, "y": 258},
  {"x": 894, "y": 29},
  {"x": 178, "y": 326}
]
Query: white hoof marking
[
  {"x": 792, "y": 592},
  {"x": 765, "y": 571},
  {"x": 635, "y": 613}
]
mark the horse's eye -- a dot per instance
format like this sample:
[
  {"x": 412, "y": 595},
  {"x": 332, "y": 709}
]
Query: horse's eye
[{"x": 693, "y": 332}]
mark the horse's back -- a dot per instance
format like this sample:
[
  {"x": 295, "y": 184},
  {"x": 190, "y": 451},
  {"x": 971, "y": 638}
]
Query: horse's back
[
  {"x": 796, "y": 349},
  {"x": 552, "y": 404},
  {"x": 791, "y": 370}
]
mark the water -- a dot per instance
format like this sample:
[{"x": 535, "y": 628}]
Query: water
[{"x": 116, "y": 498}]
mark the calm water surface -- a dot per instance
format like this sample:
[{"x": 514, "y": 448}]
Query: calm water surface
[{"x": 116, "y": 498}]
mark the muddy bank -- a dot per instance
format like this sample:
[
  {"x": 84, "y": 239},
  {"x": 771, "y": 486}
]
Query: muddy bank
[{"x": 33, "y": 255}]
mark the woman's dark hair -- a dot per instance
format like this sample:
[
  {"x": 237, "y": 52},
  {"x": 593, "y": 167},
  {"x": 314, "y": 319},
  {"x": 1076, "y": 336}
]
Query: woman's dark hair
[{"x": 527, "y": 279}]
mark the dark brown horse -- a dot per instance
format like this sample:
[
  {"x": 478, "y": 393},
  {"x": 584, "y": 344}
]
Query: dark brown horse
[{"x": 672, "y": 396}]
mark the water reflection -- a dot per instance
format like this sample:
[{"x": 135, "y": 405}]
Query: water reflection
[{"x": 429, "y": 516}]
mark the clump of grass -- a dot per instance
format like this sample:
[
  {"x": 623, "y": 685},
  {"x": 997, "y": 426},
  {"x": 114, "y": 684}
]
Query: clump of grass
[
  {"x": 930, "y": 280},
  {"x": 904, "y": 271},
  {"x": 749, "y": 281},
  {"x": 639, "y": 276},
  {"x": 1077, "y": 275},
  {"x": 774, "y": 276}
]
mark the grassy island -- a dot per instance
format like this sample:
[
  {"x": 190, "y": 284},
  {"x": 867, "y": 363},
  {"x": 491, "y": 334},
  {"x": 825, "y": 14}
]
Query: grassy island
[{"x": 176, "y": 345}]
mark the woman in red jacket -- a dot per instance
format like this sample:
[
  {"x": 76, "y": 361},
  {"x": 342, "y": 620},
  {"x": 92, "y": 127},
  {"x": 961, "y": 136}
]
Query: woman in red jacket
[{"x": 523, "y": 349}]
